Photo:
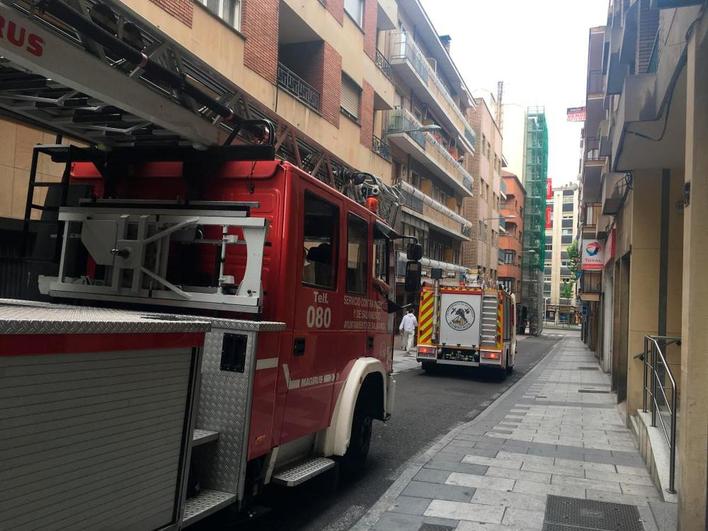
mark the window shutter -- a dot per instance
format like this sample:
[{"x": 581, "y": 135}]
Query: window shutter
[
  {"x": 355, "y": 8},
  {"x": 350, "y": 97}
]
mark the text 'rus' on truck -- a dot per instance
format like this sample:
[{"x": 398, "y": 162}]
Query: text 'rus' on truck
[
  {"x": 294, "y": 278},
  {"x": 466, "y": 327}
]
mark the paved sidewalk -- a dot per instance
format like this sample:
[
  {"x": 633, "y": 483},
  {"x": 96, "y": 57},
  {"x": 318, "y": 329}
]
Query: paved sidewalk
[{"x": 552, "y": 453}]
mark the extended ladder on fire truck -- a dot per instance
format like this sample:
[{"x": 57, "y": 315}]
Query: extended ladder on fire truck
[{"x": 98, "y": 73}]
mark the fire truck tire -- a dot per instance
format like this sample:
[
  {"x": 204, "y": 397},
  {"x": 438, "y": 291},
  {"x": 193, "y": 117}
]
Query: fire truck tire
[
  {"x": 509, "y": 368},
  {"x": 429, "y": 366},
  {"x": 353, "y": 460}
]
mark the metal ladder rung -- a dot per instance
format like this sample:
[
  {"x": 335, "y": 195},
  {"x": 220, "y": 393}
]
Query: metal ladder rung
[
  {"x": 300, "y": 473},
  {"x": 200, "y": 437},
  {"x": 204, "y": 504}
]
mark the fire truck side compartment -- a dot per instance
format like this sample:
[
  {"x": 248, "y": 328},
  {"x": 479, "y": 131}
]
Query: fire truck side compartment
[{"x": 97, "y": 416}]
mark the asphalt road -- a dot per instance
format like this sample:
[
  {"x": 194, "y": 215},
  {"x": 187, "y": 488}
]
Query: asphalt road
[{"x": 427, "y": 407}]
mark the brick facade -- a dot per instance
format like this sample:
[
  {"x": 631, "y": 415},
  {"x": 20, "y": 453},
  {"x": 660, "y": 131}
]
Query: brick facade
[
  {"x": 182, "y": 10},
  {"x": 336, "y": 9},
  {"x": 366, "y": 114},
  {"x": 260, "y": 25},
  {"x": 332, "y": 84},
  {"x": 370, "y": 15}
]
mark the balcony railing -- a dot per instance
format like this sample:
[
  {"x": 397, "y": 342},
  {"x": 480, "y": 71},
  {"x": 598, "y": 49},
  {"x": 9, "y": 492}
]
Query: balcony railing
[
  {"x": 383, "y": 64},
  {"x": 381, "y": 148},
  {"x": 402, "y": 121},
  {"x": 298, "y": 87},
  {"x": 403, "y": 48},
  {"x": 658, "y": 379}
]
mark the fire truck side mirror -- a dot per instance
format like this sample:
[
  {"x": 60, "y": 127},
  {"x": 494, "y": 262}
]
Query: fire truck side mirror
[
  {"x": 413, "y": 273},
  {"x": 414, "y": 252}
]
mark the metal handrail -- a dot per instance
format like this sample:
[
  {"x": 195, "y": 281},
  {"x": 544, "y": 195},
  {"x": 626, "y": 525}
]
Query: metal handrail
[
  {"x": 298, "y": 87},
  {"x": 655, "y": 363}
]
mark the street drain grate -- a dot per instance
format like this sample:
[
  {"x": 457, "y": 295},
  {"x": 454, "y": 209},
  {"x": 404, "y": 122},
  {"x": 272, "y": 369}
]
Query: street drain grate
[
  {"x": 604, "y": 391},
  {"x": 588, "y": 368},
  {"x": 571, "y": 513},
  {"x": 435, "y": 527}
]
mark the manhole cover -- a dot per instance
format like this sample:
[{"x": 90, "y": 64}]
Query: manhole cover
[
  {"x": 605, "y": 391},
  {"x": 570, "y": 513},
  {"x": 435, "y": 527}
]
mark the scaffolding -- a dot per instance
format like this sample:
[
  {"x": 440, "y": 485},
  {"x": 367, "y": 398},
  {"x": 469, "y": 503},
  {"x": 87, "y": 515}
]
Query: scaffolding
[{"x": 534, "y": 242}]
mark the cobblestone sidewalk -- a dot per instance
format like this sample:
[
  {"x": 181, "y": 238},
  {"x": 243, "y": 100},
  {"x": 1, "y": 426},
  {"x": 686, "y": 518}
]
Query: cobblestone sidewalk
[{"x": 552, "y": 453}]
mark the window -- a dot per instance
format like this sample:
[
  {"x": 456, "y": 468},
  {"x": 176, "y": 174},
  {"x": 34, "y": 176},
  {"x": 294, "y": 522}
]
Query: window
[
  {"x": 509, "y": 256},
  {"x": 320, "y": 242},
  {"x": 567, "y": 207},
  {"x": 381, "y": 248},
  {"x": 357, "y": 254},
  {"x": 227, "y": 10},
  {"x": 566, "y": 239},
  {"x": 351, "y": 94},
  {"x": 355, "y": 9}
]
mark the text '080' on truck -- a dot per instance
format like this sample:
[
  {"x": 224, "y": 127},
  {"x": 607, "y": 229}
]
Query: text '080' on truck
[
  {"x": 292, "y": 283},
  {"x": 466, "y": 327}
]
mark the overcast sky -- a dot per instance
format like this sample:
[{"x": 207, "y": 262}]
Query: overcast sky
[{"x": 539, "y": 50}]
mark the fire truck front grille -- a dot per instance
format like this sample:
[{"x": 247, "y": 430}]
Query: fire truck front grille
[{"x": 459, "y": 354}]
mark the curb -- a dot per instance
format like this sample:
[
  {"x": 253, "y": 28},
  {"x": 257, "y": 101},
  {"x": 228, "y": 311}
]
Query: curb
[{"x": 413, "y": 466}]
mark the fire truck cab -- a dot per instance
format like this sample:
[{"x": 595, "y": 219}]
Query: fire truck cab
[
  {"x": 467, "y": 327},
  {"x": 295, "y": 278}
]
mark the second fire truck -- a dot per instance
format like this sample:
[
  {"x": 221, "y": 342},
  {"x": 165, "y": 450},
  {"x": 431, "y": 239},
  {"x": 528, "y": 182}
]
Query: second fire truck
[{"x": 466, "y": 327}]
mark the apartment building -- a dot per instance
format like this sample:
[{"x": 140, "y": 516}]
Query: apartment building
[
  {"x": 644, "y": 197},
  {"x": 512, "y": 236},
  {"x": 561, "y": 232},
  {"x": 364, "y": 85},
  {"x": 534, "y": 178},
  {"x": 481, "y": 252}
]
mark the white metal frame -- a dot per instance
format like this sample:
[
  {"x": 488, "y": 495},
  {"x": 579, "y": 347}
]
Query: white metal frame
[{"x": 104, "y": 234}]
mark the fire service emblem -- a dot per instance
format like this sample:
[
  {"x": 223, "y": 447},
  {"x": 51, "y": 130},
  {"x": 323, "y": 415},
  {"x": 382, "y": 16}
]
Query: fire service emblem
[{"x": 460, "y": 316}]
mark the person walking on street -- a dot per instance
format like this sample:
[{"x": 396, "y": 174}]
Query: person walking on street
[{"x": 407, "y": 328}]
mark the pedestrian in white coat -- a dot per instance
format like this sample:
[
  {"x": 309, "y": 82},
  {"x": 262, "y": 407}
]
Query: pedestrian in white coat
[{"x": 407, "y": 328}]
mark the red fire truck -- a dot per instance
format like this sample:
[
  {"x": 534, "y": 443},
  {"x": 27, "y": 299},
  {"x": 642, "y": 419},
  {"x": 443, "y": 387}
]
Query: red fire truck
[
  {"x": 467, "y": 327},
  {"x": 294, "y": 277}
]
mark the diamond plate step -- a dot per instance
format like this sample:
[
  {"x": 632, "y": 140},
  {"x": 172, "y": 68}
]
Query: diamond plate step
[
  {"x": 302, "y": 472},
  {"x": 205, "y": 503},
  {"x": 203, "y": 437}
]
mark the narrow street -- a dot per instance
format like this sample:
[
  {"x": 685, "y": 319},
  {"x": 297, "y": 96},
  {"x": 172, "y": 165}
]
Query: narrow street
[{"x": 427, "y": 407}]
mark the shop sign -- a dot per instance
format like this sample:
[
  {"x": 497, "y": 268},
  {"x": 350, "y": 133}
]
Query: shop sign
[
  {"x": 593, "y": 256},
  {"x": 576, "y": 114}
]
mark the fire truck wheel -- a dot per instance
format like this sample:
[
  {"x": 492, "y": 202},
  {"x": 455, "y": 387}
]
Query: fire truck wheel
[
  {"x": 508, "y": 368},
  {"x": 353, "y": 460},
  {"x": 428, "y": 366}
]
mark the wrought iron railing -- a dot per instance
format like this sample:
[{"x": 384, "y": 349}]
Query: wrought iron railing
[
  {"x": 381, "y": 148},
  {"x": 411, "y": 201},
  {"x": 298, "y": 87},
  {"x": 402, "y": 121},
  {"x": 403, "y": 48},
  {"x": 383, "y": 64},
  {"x": 658, "y": 378}
]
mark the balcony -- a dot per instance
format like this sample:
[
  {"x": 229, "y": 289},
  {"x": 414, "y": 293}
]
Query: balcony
[
  {"x": 596, "y": 82},
  {"x": 383, "y": 64},
  {"x": 414, "y": 69},
  {"x": 381, "y": 148},
  {"x": 298, "y": 87},
  {"x": 434, "y": 213},
  {"x": 403, "y": 130}
]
